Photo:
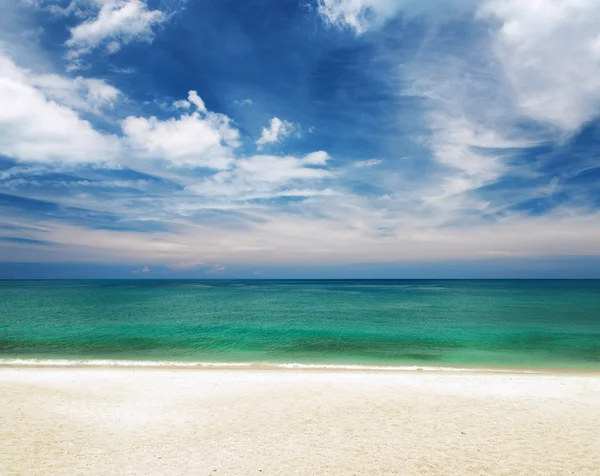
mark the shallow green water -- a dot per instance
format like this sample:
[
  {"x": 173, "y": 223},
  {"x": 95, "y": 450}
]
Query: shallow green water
[{"x": 523, "y": 324}]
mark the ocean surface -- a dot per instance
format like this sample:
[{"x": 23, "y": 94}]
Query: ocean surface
[{"x": 514, "y": 324}]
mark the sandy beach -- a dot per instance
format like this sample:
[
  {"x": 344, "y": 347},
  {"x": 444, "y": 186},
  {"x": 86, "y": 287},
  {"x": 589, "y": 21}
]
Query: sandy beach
[{"x": 240, "y": 422}]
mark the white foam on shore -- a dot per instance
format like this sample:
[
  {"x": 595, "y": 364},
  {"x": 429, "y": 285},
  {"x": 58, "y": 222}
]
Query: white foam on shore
[
  {"x": 256, "y": 365},
  {"x": 116, "y": 363},
  {"x": 398, "y": 368}
]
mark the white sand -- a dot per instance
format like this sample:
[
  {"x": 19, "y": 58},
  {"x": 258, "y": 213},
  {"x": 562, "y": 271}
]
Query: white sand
[{"x": 236, "y": 422}]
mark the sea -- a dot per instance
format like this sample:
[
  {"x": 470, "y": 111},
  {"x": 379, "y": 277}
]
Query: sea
[{"x": 499, "y": 325}]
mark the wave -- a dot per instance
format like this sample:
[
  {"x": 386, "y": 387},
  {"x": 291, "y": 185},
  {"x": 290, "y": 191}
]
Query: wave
[{"x": 246, "y": 365}]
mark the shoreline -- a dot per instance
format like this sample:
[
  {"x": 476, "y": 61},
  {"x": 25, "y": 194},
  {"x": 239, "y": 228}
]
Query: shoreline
[{"x": 287, "y": 367}]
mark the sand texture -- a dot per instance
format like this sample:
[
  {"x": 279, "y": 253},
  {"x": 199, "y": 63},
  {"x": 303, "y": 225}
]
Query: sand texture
[{"x": 243, "y": 422}]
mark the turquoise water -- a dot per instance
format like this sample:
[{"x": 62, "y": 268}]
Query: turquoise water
[{"x": 515, "y": 324}]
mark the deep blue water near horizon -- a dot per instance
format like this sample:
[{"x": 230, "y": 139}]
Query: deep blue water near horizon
[{"x": 454, "y": 323}]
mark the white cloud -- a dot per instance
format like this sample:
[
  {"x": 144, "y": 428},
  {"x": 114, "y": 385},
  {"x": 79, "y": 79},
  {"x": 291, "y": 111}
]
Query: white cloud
[
  {"x": 464, "y": 122},
  {"x": 85, "y": 94},
  {"x": 217, "y": 268},
  {"x": 470, "y": 123},
  {"x": 243, "y": 102},
  {"x": 539, "y": 66},
  {"x": 274, "y": 169},
  {"x": 182, "y": 104},
  {"x": 549, "y": 52},
  {"x": 267, "y": 176},
  {"x": 284, "y": 238},
  {"x": 460, "y": 144},
  {"x": 540, "y": 61},
  {"x": 185, "y": 265},
  {"x": 197, "y": 101},
  {"x": 277, "y": 131},
  {"x": 99, "y": 91},
  {"x": 363, "y": 15},
  {"x": 144, "y": 270},
  {"x": 38, "y": 122},
  {"x": 367, "y": 163},
  {"x": 199, "y": 139},
  {"x": 358, "y": 15},
  {"x": 117, "y": 22}
]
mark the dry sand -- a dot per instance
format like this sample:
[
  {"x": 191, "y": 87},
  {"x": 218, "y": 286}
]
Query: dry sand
[{"x": 234, "y": 422}]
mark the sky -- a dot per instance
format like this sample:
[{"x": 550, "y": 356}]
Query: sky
[{"x": 299, "y": 138}]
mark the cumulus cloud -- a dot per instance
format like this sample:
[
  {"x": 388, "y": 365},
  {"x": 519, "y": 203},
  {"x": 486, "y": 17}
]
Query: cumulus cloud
[
  {"x": 42, "y": 113},
  {"x": 38, "y": 122},
  {"x": 199, "y": 139},
  {"x": 277, "y": 131},
  {"x": 117, "y": 22}
]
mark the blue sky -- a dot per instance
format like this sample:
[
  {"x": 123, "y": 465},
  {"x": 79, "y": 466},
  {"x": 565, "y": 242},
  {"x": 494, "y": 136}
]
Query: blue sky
[{"x": 287, "y": 138}]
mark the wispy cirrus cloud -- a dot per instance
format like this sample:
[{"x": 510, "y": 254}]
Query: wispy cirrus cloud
[
  {"x": 363, "y": 15},
  {"x": 359, "y": 15},
  {"x": 268, "y": 176},
  {"x": 243, "y": 102},
  {"x": 368, "y": 163},
  {"x": 529, "y": 79}
]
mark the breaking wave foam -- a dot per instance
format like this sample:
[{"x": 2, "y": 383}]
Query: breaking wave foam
[{"x": 247, "y": 365}]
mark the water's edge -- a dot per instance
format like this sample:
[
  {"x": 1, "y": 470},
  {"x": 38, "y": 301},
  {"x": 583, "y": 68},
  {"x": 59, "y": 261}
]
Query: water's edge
[{"x": 291, "y": 366}]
